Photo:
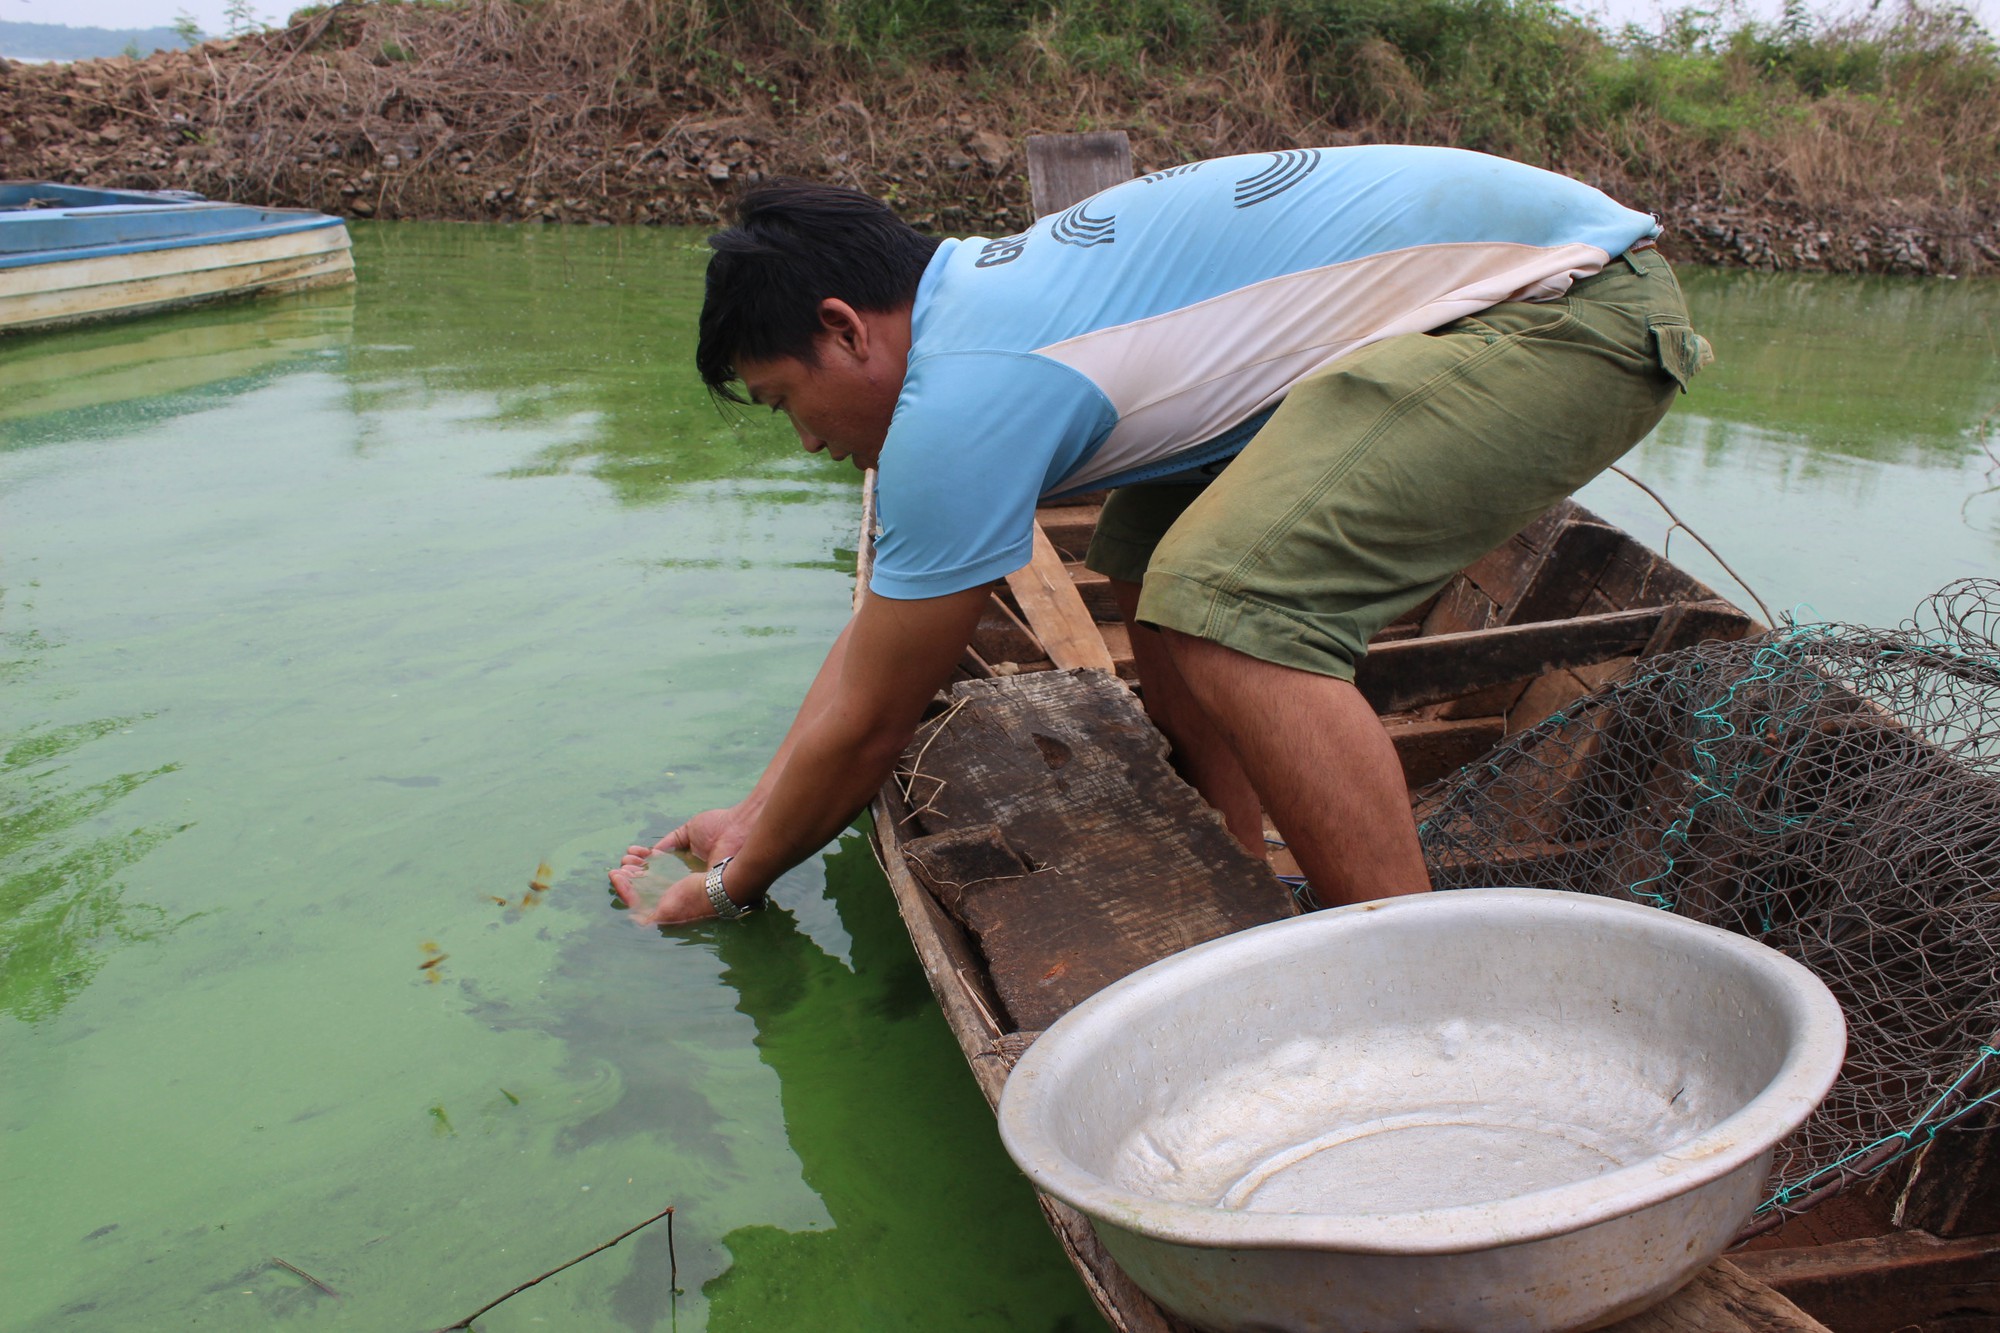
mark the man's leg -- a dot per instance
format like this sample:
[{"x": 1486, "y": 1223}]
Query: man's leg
[
  {"x": 1366, "y": 490},
  {"x": 1314, "y": 749},
  {"x": 1203, "y": 757}
]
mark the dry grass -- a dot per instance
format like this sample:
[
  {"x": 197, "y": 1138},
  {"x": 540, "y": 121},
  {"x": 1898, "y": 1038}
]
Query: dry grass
[{"x": 641, "y": 111}]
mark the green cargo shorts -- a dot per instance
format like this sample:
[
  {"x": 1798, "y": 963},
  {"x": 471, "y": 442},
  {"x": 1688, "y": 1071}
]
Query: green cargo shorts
[{"x": 1380, "y": 477}]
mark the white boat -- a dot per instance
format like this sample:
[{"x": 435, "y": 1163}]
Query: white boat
[{"x": 69, "y": 254}]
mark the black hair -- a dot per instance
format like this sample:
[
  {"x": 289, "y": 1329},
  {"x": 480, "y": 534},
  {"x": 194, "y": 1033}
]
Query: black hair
[{"x": 794, "y": 245}]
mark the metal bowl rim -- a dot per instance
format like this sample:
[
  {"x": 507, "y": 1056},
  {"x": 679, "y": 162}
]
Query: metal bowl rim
[{"x": 1781, "y": 1106}]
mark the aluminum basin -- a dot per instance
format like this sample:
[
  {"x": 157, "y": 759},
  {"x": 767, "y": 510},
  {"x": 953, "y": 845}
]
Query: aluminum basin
[{"x": 1488, "y": 1109}]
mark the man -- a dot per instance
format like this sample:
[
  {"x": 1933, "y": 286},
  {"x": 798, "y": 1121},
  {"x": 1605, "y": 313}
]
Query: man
[{"x": 1319, "y": 382}]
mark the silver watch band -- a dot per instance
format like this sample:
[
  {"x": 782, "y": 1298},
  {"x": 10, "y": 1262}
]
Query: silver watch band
[{"x": 725, "y": 907}]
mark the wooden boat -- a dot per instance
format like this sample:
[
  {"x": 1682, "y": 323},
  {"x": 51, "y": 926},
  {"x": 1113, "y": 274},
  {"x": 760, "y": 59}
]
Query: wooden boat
[
  {"x": 1039, "y": 847},
  {"x": 69, "y": 254}
]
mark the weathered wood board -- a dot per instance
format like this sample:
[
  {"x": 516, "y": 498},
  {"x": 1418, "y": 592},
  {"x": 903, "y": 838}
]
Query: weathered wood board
[
  {"x": 1055, "y": 611},
  {"x": 45, "y": 295},
  {"x": 1047, "y": 821},
  {"x": 1723, "y": 1299},
  {"x": 1064, "y": 169},
  {"x": 1411, "y": 673},
  {"x": 1889, "y": 1284}
]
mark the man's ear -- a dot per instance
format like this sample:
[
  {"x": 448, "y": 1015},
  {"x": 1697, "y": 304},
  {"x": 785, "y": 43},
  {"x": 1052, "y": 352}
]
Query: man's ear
[{"x": 845, "y": 325}]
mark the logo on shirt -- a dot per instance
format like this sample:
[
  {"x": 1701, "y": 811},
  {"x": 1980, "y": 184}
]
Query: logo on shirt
[
  {"x": 1077, "y": 227},
  {"x": 1171, "y": 172},
  {"x": 1003, "y": 251},
  {"x": 1286, "y": 170}
]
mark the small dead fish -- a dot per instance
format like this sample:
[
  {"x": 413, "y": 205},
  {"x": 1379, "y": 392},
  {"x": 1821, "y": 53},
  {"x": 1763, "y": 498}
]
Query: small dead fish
[
  {"x": 430, "y": 963},
  {"x": 512, "y": 1100},
  {"x": 497, "y": 899},
  {"x": 544, "y": 876},
  {"x": 443, "y": 1121}
]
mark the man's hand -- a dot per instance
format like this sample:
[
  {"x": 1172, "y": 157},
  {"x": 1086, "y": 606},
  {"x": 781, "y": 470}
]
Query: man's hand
[
  {"x": 709, "y": 836},
  {"x": 856, "y": 719},
  {"x": 643, "y": 872}
]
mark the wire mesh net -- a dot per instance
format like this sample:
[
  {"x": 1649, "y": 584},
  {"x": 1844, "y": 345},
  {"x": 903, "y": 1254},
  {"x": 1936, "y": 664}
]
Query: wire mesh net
[{"x": 1830, "y": 790}]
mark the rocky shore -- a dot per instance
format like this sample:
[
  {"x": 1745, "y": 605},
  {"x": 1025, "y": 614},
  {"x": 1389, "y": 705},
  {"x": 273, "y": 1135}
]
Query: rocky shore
[{"x": 271, "y": 120}]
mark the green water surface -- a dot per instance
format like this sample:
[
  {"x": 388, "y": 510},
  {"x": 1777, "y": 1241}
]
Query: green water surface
[{"x": 324, "y": 622}]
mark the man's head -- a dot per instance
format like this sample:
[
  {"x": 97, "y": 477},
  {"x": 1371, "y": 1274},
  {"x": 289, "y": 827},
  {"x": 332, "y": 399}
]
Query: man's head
[{"x": 808, "y": 304}]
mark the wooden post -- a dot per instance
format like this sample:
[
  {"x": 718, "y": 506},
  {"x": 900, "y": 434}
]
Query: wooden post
[{"x": 1065, "y": 169}]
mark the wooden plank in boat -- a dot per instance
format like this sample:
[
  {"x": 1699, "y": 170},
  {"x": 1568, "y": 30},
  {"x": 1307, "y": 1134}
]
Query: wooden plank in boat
[
  {"x": 1637, "y": 577},
  {"x": 1503, "y": 571},
  {"x": 1064, "y": 169},
  {"x": 1069, "y": 527},
  {"x": 1095, "y": 589},
  {"x": 1552, "y": 584},
  {"x": 1571, "y": 565},
  {"x": 1054, "y": 611},
  {"x": 1075, "y": 855},
  {"x": 1429, "y": 748},
  {"x": 1397, "y": 677},
  {"x": 1881, "y": 1284},
  {"x": 1687, "y": 623},
  {"x": 1723, "y": 1299},
  {"x": 1460, "y": 607},
  {"x": 1001, "y": 637}
]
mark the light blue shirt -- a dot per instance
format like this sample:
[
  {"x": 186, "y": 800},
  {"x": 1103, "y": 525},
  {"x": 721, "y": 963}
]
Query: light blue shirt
[{"x": 1147, "y": 331}]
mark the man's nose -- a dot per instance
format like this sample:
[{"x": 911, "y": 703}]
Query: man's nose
[{"x": 809, "y": 441}]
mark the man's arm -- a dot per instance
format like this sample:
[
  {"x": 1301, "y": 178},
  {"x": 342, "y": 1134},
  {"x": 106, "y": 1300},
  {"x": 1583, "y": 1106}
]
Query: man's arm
[{"x": 893, "y": 656}]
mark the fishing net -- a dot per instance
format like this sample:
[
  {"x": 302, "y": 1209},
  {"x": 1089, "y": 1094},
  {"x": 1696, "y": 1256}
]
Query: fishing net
[{"x": 1830, "y": 790}]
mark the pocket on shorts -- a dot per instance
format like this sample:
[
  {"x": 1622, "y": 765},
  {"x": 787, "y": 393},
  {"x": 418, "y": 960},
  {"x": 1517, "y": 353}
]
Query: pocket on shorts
[{"x": 1681, "y": 351}]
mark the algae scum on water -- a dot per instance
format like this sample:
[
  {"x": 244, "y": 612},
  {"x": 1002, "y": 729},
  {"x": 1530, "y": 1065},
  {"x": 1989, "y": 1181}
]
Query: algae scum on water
[
  {"x": 352, "y": 633},
  {"x": 347, "y": 640}
]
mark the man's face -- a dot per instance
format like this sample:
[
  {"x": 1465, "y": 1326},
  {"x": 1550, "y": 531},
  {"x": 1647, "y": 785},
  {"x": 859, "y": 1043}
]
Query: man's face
[{"x": 842, "y": 403}]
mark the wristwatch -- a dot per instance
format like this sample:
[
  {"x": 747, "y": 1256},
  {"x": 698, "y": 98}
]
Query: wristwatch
[{"x": 725, "y": 907}]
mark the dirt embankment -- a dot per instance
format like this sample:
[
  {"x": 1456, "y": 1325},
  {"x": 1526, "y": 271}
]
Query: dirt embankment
[{"x": 569, "y": 113}]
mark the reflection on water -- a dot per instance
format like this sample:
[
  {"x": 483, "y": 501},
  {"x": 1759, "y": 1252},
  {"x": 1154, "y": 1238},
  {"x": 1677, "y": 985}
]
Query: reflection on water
[
  {"x": 1886, "y": 369},
  {"x": 62, "y": 386},
  {"x": 331, "y": 621},
  {"x": 61, "y": 904}
]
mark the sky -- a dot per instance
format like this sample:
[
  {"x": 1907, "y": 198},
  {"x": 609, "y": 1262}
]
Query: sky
[{"x": 209, "y": 13}]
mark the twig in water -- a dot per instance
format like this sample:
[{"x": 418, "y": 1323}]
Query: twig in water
[
  {"x": 673, "y": 1269},
  {"x": 1769, "y": 619},
  {"x": 294, "y": 1268}
]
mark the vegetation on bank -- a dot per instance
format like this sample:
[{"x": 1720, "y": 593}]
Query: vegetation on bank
[{"x": 1871, "y": 142}]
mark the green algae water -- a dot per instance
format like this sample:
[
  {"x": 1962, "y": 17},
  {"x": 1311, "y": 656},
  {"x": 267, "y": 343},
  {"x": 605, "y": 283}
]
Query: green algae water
[
  {"x": 1843, "y": 452},
  {"x": 325, "y": 622}
]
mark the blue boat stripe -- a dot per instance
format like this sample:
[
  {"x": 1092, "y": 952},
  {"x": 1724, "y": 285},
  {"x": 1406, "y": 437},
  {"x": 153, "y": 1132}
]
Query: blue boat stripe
[{"x": 29, "y": 258}]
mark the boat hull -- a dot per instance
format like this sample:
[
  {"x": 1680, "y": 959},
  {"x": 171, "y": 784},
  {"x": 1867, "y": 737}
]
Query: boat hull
[{"x": 71, "y": 291}]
